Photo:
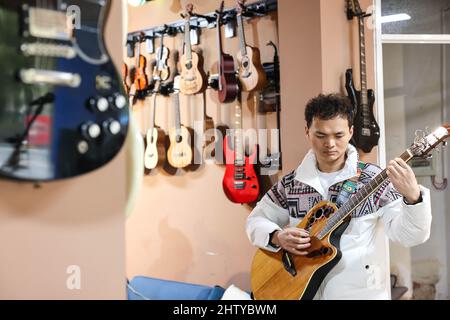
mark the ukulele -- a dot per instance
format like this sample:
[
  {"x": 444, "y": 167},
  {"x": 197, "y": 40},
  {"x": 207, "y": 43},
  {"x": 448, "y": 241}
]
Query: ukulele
[
  {"x": 64, "y": 112},
  {"x": 180, "y": 153},
  {"x": 192, "y": 76},
  {"x": 155, "y": 152},
  {"x": 228, "y": 84},
  {"x": 161, "y": 71},
  {"x": 282, "y": 275},
  {"x": 140, "y": 78},
  {"x": 366, "y": 131},
  {"x": 240, "y": 182},
  {"x": 250, "y": 70}
]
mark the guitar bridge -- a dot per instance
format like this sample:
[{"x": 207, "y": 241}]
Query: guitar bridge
[{"x": 365, "y": 132}]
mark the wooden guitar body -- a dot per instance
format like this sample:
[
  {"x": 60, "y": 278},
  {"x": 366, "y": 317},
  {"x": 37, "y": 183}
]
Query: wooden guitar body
[
  {"x": 250, "y": 71},
  {"x": 240, "y": 184},
  {"x": 155, "y": 152},
  {"x": 285, "y": 276},
  {"x": 229, "y": 85},
  {"x": 192, "y": 78},
  {"x": 179, "y": 154}
]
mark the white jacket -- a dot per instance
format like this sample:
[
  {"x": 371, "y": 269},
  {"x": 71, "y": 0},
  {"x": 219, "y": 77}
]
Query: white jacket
[{"x": 361, "y": 272}]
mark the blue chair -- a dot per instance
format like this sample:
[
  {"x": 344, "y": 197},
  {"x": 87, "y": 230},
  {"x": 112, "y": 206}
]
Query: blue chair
[{"x": 145, "y": 288}]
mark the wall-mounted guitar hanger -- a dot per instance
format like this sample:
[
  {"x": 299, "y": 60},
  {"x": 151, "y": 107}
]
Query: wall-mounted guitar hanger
[{"x": 200, "y": 21}]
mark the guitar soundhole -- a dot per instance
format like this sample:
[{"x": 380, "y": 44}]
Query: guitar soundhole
[
  {"x": 327, "y": 212},
  {"x": 189, "y": 65},
  {"x": 245, "y": 64},
  {"x": 318, "y": 214},
  {"x": 178, "y": 139}
]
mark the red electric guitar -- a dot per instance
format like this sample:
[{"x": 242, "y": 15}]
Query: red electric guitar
[{"x": 240, "y": 182}]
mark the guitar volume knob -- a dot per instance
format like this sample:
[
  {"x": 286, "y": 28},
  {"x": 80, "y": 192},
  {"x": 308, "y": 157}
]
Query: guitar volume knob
[
  {"x": 91, "y": 130},
  {"x": 118, "y": 100},
  {"x": 112, "y": 126},
  {"x": 98, "y": 103}
]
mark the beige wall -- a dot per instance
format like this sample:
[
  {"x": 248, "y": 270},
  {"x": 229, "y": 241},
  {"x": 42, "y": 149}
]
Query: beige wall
[
  {"x": 75, "y": 222},
  {"x": 183, "y": 227}
]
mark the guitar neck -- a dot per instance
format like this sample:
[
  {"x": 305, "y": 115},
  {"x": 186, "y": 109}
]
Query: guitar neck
[
  {"x": 238, "y": 143},
  {"x": 187, "y": 39},
  {"x": 362, "y": 62},
  {"x": 159, "y": 58},
  {"x": 219, "y": 61},
  {"x": 358, "y": 198},
  {"x": 176, "y": 96},
  {"x": 138, "y": 56},
  {"x": 152, "y": 123},
  {"x": 242, "y": 42}
]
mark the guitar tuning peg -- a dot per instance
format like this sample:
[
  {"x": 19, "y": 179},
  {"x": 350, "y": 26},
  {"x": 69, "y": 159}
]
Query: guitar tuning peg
[
  {"x": 419, "y": 134},
  {"x": 427, "y": 131}
]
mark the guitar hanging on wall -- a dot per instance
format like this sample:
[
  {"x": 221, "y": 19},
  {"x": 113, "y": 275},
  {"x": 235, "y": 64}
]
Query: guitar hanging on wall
[
  {"x": 155, "y": 151},
  {"x": 282, "y": 275},
  {"x": 240, "y": 182},
  {"x": 228, "y": 83},
  {"x": 180, "y": 153},
  {"x": 63, "y": 107},
  {"x": 366, "y": 131},
  {"x": 250, "y": 70},
  {"x": 192, "y": 77}
]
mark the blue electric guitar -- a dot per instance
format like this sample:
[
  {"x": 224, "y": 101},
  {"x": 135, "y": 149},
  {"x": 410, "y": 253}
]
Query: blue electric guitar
[{"x": 63, "y": 110}]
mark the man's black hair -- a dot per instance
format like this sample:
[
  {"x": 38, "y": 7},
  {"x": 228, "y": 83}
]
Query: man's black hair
[{"x": 329, "y": 106}]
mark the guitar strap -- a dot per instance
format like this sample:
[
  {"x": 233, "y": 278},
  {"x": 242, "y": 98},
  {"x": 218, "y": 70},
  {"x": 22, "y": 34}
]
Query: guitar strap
[{"x": 349, "y": 187}]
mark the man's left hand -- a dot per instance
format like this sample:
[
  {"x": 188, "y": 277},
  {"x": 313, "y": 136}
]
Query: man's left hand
[{"x": 403, "y": 179}]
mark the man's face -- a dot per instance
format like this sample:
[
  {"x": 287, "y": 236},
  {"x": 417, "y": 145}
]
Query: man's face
[{"x": 329, "y": 139}]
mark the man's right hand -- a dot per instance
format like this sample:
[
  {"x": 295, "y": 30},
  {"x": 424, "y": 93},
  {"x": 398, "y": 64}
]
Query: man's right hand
[{"x": 293, "y": 240}]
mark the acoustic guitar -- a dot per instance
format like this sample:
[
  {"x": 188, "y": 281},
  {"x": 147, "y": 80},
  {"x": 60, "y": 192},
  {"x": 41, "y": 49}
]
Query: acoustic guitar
[
  {"x": 192, "y": 76},
  {"x": 155, "y": 151},
  {"x": 228, "y": 83},
  {"x": 366, "y": 131},
  {"x": 180, "y": 152},
  {"x": 240, "y": 182},
  {"x": 282, "y": 275},
  {"x": 250, "y": 70},
  {"x": 63, "y": 110}
]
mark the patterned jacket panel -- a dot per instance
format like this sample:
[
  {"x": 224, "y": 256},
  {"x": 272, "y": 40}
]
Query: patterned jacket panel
[{"x": 298, "y": 198}]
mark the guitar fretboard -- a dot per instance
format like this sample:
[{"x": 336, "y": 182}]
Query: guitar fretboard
[
  {"x": 176, "y": 97},
  {"x": 238, "y": 145},
  {"x": 187, "y": 39},
  {"x": 242, "y": 42},
  {"x": 358, "y": 198},
  {"x": 363, "y": 70}
]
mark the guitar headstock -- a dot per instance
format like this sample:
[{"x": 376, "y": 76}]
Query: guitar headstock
[
  {"x": 240, "y": 8},
  {"x": 424, "y": 145},
  {"x": 353, "y": 9},
  {"x": 220, "y": 11},
  {"x": 356, "y": 8},
  {"x": 189, "y": 11}
]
